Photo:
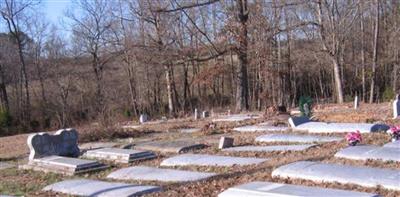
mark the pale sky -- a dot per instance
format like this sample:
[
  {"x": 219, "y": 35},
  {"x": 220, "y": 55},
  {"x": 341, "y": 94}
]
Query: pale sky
[{"x": 54, "y": 9}]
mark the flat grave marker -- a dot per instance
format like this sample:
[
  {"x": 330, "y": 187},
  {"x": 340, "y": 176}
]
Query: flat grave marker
[
  {"x": 296, "y": 138},
  {"x": 269, "y": 148},
  {"x": 365, "y": 152},
  {"x": 345, "y": 174},
  {"x": 119, "y": 155},
  {"x": 209, "y": 160},
  {"x": 258, "y": 189},
  {"x": 178, "y": 146},
  {"x": 395, "y": 144},
  {"x": 235, "y": 118},
  {"x": 261, "y": 128},
  {"x": 144, "y": 173},
  {"x": 4, "y": 165},
  {"x": 85, "y": 187}
]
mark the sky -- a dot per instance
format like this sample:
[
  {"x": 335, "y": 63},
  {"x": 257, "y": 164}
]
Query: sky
[{"x": 54, "y": 9}]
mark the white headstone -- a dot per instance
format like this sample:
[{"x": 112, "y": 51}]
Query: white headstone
[
  {"x": 63, "y": 143},
  {"x": 307, "y": 110},
  {"x": 396, "y": 107},
  {"x": 196, "y": 114},
  {"x": 143, "y": 118},
  {"x": 356, "y": 102},
  {"x": 225, "y": 142}
]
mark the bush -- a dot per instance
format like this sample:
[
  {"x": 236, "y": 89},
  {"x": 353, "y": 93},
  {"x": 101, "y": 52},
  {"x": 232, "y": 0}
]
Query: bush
[
  {"x": 5, "y": 118},
  {"x": 388, "y": 94},
  {"x": 302, "y": 101}
]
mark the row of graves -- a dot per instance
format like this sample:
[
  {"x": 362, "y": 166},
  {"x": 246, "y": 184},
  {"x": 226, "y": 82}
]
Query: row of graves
[{"x": 59, "y": 153}]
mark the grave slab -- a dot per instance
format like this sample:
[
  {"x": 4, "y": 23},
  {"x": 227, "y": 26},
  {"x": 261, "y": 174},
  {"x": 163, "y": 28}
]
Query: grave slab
[
  {"x": 345, "y": 174},
  {"x": 4, "y": 165},
  {"x": 209, "y": 160},
  {"x": 258, "y": 189},
  {"x": 63, "y": 165},
  {"x": 85, "y": 187},
  {"x": 190, "y": 130},
  {"x": 365, "y": 152},
  {"x": 235, "y": 118},
  {"x": 144, "y": 173},
  {"x": 395, "y": 144},
  {"x": 178, "y": 146},
  {"x": 296, "y": 138},
  {"x": 269, "y": 148},
  {"x": 119, "y": 155},
  {"x": 325, "y": 127},
  {"x": 63, "y": 143},
  {"x": 261, "y": 128},
  {"x": 97, "y": 145}
]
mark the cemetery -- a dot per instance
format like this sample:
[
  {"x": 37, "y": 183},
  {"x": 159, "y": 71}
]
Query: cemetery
[{"x": 266, "y": 159}]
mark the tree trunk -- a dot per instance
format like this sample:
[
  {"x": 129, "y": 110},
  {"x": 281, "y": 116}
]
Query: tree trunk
[
  {"x": 242, "y": 85},
  {"x": 375, "y": 52}
]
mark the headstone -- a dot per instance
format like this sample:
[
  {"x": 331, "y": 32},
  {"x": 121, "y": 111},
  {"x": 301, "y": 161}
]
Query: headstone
[
  {"x": 210, "y": 160},
  {"x": 356, "y": 102},
  {"x": 119, "y": 155},
  {"x": 225, "y": 142},
  {"x": 196, "y": 114},
  {"x": 178, "y": 146},
  {"x": 85, "y": 187},
  {"x": 269, "y": 148},
  {"x": 296, "y": 138},
  {"x": 144, "y": 173},
  {"x": 298, "y": 120},
  {"x": 205, "y": 114},
  {"x": 258, "y": 189},
  {"x": 143, "y": 118},
  {"x": 345, "y": 174},
  {"x": 307, "y": 111},
  {"x": 63, "y": 143},
  {"x": 396, "y": 107},
  {"x": 63, "y": 165},
  {"x": 261, "y": 128},
  {"x": 365, "y": 152}
]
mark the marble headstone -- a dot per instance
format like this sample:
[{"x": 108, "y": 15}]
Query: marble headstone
[
  {"x": 396, "y": 107},
  {"x": 196, "y": 114},
  {"x": 63, "y": 143},
  {"x": 143, "y": 118},
  {"x": 356, "y": 102},
  {"x": 225, "y": 142}
]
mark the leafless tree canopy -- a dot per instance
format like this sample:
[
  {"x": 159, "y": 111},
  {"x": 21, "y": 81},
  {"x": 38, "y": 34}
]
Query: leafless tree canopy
[{"x": 167, "y": 57}]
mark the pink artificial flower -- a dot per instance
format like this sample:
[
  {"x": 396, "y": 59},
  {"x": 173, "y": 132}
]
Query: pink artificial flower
[
  {"x": 395, "y": 129},
  {"x": 354, "y": 136}
]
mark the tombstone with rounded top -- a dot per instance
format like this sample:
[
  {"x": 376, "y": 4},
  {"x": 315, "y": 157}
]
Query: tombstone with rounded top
[
  {"x": 63, "y": 143},
  {"x": 396, "y": 107}
]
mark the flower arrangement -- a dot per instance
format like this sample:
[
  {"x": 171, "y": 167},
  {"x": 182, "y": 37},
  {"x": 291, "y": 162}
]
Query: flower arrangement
[
  {"x": 353, "y": 138},
  {"x": 394, "y": 132}
]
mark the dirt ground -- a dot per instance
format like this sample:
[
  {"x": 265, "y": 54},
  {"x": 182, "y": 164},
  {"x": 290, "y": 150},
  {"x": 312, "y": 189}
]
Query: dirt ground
[{"x": 13, "y": 149}]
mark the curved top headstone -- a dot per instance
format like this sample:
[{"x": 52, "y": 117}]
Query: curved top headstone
[{"x": 63, "y": 143}]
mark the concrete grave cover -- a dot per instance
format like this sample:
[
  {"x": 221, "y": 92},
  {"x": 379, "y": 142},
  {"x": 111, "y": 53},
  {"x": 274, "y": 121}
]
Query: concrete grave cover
[
  {"x": 85, "y": 187},
  {"x": 269, "y": 189},
  {"x": 365, "y": 152}
]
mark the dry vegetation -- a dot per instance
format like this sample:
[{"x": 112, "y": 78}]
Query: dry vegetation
[{"x": 29, "y": 183}]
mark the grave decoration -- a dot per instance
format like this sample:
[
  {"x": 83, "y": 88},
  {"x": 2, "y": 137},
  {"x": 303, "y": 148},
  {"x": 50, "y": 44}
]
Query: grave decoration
[
  {"x": 394, "y": 133},
  {"x": 353, "y": 138},
  {"x": 305, "y": 105}
]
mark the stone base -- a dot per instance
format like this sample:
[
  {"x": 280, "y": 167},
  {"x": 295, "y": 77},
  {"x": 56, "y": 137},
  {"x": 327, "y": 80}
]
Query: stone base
[
  {"x": 63, "y": 165},
  {"x": 119, "y": 155}
]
